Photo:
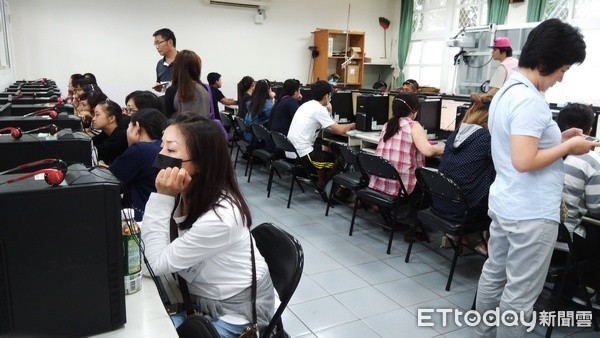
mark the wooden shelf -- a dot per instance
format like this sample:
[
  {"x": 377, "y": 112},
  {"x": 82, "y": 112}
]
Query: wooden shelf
[{"x": 327, "y": 41}]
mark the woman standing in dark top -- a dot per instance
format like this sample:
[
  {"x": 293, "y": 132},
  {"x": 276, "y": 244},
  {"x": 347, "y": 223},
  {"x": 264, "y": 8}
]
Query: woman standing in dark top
[{"x": 112, "y": 141}]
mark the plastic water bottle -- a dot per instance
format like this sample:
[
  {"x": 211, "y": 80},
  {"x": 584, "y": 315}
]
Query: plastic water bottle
[{"x": 132, "y": 258}]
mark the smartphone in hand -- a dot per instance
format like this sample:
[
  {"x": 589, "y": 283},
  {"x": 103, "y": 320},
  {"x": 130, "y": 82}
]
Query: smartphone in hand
[{"x": 593, "y": 139}]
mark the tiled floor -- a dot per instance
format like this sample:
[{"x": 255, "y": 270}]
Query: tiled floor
[{"x": 350, "y": 287}]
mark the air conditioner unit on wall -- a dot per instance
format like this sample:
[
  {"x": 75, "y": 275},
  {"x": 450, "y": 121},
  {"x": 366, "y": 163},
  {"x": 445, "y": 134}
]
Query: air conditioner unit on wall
[{"x": 254, "y": 4}]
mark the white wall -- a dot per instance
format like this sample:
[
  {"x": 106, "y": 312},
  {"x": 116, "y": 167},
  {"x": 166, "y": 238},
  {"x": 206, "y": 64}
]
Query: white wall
[
  {"x": 113, "y": 38},
  {"x": 517, "y": 13}
]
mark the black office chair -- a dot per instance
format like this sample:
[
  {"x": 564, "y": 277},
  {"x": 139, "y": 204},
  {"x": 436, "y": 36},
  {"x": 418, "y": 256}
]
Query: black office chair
[
  {"x": 285, "y": 258},
  {"x": 434, "y": 183},
  {"x": 261, "y": 136},
  {"x": 568, "y": 264},
  {"x": 394, "y": 207},
  {"x": 350, "y": 175},
  {"x": 229, "y": 127},
  {"x": 301, "y": 174},
  {"x": 242, "y": 145}
]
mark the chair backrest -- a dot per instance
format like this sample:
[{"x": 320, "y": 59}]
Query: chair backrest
[
  {"x": 260, "y": 132},
  {"x": 372, "y": 165},
  {"x": 243, "y": 127},
  {"x": 346, "y": 159},
  {"x": 282, "y": 142},
  {"x": 435, "y": 183},
  {"x": 285, "y": 258},
  {"x": 227, "y": 122}
]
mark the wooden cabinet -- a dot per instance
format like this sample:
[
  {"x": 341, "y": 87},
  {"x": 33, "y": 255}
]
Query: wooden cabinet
[{"x": 335, "y": 47}]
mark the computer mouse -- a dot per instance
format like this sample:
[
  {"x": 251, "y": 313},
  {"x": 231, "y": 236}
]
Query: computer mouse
[{"x": 433, "y": 142}]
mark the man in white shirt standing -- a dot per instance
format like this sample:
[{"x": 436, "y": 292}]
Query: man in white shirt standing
[
  {"x": 502, "y": 51},
  {"x": 310, "y": 118}
]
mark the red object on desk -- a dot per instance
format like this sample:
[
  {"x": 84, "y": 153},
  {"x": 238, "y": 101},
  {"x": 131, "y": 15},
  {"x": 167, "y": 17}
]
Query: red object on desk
[{"x": 433, "y": 142}]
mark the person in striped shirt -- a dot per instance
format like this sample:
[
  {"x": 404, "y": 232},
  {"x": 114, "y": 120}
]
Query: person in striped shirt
[{"x": 581, "y": 192}]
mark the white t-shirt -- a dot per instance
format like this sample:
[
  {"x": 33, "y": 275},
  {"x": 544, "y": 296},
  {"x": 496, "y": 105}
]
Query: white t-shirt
[
  {"x": 213, "y": 256},
  {"x": 310, "y": 117}
]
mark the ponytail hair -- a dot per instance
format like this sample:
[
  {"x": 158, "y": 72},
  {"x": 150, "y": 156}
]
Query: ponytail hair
[{"x": 403, "y": 105}]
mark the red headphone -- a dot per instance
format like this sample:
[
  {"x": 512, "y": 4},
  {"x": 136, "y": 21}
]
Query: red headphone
[
  {"x": 48, "y": 111},
  {"x": 52, "y": 129},
  {"x": 54, "y": 175},
  {"x": 16, "y": 133}
]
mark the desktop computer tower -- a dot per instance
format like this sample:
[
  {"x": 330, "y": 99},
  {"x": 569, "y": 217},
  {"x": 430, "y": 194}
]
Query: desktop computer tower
[
  {"x": 61, "y": 258},
  {"x": 364, "y": 122},
  {"x": 375, "y": 106}
]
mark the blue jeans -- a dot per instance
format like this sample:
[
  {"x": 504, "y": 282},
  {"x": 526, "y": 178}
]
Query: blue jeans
[{"x": 225, "y": 329}]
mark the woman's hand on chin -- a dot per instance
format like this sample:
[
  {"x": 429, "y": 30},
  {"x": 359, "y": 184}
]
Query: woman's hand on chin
[{"x": 172, "y": 181}]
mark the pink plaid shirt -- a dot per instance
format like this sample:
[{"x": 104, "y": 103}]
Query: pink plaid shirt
[{"x": 401, "y": 152}]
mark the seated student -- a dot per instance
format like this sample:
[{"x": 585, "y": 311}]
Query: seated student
[
  {"x": 467, "y": 160},
  {"x": 283, "y": 111},
  {"x": 259, "y": 106},
  {"x": 212, "y": 252},
  {"x": 244, "y": 88},
  {"x": 70, "y": 88},
  {"x": 214, "y": 81},
  {"x": 78, "y": 84},
  {"x": 310, "y": 118},
  {"x": 135, "y": 166},
  {"x": 112, "y": 141},
  {"x": 89, "y": 98},
  {"x": 580, "y": 192},
  {"x": 410, "y": 86},
  {"x": 141, "y": 99},
  {"x": 403, "y": 142}
]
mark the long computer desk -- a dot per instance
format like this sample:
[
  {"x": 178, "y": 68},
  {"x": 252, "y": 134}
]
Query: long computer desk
[
  {"x": 146, "y": 315},
  {"x": 365, "y": 141}
]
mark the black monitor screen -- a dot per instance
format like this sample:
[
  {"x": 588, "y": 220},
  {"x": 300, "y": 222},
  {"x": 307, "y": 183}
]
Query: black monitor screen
[
  {"x": 341, "y": 104},
  {"x": 5, "y": 109},
  {"x": 306, "y": 94},
  {"x": 374, "y": 105},
  {"x": 429, "y": 115}
]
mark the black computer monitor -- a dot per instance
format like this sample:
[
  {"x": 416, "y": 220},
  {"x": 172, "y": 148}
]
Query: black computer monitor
[
  {"x": 306, "y": 94},
  {"x": 277, "y": 88},
  {"x": 69, "y": 147},
  {"x": 429, "y": 114},
  {"x": 341, "y": 105},
  {"x": 449, "y": 113},
  {"x": 374, "y": 105},
  {"x": 61, "y": 259},
  {"x": 19, "y": 109},
  {"x": 5, "y": 109},
  {"x": 64, "y": 121}
]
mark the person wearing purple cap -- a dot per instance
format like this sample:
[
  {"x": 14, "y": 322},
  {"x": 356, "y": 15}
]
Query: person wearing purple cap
[{"x": 501, "y": 52}]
